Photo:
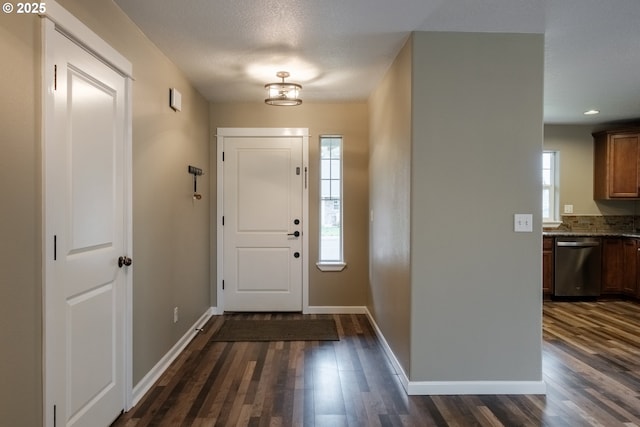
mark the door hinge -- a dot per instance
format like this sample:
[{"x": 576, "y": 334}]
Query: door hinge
[
  {"x": 223, "y": 220},
  {"x": 55, "y": 77},
  {"x": 55, "y": 247},
  {"x": 55, "y": 417},
  {"x": 223, "y": 285},
  {"x": 223, "y": 156}
]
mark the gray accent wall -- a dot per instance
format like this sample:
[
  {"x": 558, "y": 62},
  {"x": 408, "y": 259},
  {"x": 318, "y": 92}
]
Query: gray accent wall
[
  {"x": 474, "y": 289},
  {"x": 477, "y": 143}
]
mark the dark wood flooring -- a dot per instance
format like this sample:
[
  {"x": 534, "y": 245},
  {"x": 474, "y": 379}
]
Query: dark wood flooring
[{"x": 591, "y": 358}]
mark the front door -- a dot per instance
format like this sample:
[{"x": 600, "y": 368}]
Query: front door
[
  {"x": 264, "y": 179},
  {"x": 86, "y": 207}
]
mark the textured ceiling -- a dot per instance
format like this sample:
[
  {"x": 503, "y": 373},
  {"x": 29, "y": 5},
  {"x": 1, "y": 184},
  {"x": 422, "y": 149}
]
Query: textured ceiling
[{"x": 340, "y": 49}]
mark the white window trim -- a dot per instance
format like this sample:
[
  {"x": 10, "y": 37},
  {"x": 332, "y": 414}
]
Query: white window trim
[
  {"x": 331, "y": 266},
  {"x": 555, "y": 221},
  {"x": 552, "y": 224},
  {"x": 335, "y": 266}
]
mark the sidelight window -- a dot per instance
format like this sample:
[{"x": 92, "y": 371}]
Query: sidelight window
[
  {"x": 550, "y": 193},
  {"x": 331, "y": 239}
]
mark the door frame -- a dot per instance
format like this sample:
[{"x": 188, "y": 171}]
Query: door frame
[
  {"x": 58, "y": 19},
  {"x": 222, "y": 133}
]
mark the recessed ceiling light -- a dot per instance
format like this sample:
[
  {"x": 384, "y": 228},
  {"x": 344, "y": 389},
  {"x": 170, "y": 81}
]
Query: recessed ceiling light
[{"x": 591, "y": 112}]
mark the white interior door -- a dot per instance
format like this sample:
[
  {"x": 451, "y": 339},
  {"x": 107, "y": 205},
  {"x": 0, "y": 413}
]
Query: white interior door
[
  {"x": 263, "y": 231},
  {"x": 85, "y": 186}
]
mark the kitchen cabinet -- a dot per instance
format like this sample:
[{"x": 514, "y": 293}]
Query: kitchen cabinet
[
  {"x": 637, "y": 294},
  {"x": 547, "y": 266},
  {"x": 612, "y": 265},
  {"x": 620, "y": 273},
  {"x": 616, "y": 165},
  {"x": 630, "y": 266}
]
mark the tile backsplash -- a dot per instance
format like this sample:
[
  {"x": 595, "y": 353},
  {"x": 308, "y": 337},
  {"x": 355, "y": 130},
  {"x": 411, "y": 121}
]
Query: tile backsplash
[{"x": 595, "y": 223}]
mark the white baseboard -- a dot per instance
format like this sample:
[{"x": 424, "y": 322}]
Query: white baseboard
[
  {"x": 339, "y": 309},
  {"x": 404, "y": 379},
  {"x": 476, "y": 387},
  {"x": 215, "y": 311},
  {"x": 423, "y": 388},
  {"x": 154, "y": 374},
  {"x": 320, "y": 309}
]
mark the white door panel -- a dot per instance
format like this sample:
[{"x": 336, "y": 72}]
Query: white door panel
[
  {"x": 263, "y": 185},
  {"x": 90, "y": 359},
  {"x": 263, "y": 195},
  {"x": 251, "y": 279},
  {"x": 93, "y": 150},
  {"x": 88, "y": 289}
]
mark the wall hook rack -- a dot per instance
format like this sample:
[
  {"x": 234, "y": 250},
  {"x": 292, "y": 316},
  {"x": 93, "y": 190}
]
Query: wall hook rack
[{"x": 196, "y": 172}]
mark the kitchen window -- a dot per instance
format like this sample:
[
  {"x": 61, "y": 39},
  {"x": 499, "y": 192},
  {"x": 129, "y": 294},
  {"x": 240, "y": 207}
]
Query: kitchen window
[
  {"x": 550, "y": 192},
  {"x": 331, "y": 241}
]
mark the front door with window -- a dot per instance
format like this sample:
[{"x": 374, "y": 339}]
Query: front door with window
[{"x": 264, "y": 183}]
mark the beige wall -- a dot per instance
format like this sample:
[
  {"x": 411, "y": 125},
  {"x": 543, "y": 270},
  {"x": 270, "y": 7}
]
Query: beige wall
[
  {"x": 348, "y": 287},
  {"x": 390, "y": 189},
  {"x": 20, "y": 219},
  {"x": 170, "y": 229},
  {"x": 575, "y": 145},
  {"x": 170, "y": 232}
]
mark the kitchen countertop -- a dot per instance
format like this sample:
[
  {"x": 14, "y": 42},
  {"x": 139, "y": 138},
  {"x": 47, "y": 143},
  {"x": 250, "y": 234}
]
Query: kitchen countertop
[{"x": 560, "y": 233}]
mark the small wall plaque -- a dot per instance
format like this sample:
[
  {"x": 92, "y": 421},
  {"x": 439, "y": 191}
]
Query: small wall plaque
[{"x": 175, "y": 99}]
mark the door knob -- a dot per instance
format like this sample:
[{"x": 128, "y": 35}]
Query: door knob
[
  {"x": 295, "y": 233},
  {"x": 124, "y": 260}
]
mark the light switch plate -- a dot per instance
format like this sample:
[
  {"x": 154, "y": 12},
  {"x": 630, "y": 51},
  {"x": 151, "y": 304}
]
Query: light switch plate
[
  {"x": 523, "y": 223},
  {"x": 568, "y": 209}
]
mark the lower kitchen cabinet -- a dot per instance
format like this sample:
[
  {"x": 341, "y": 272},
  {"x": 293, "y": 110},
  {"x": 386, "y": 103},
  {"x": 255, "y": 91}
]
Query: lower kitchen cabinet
[
  {"x": 547, "y": 266},
  {"x": 637, "y": 292},
  {"x": 630, "y": 267},
  {"x": 612, "y": 265},
  {"x": 620, "y": 266}
]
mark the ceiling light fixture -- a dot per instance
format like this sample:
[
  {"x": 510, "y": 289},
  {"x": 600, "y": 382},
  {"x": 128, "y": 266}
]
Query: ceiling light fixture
[
  {"x": 281, "y": 93},
  {"x": 591, "y": 112}
]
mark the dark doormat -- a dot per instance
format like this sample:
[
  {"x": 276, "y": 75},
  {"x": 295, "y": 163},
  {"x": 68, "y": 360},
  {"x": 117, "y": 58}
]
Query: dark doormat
[{"x": 277, "y": 330}]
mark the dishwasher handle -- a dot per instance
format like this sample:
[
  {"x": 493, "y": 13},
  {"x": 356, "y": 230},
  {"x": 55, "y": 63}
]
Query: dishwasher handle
[{"x": 578, "y": 244}]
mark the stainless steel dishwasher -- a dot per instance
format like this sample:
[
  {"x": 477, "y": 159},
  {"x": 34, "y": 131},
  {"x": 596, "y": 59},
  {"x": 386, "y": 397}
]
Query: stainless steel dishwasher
[{"x": 578, "y": 263}]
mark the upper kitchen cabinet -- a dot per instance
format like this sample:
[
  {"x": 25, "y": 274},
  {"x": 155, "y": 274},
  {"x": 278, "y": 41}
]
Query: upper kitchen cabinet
[{"x": 616, "y": 165}]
